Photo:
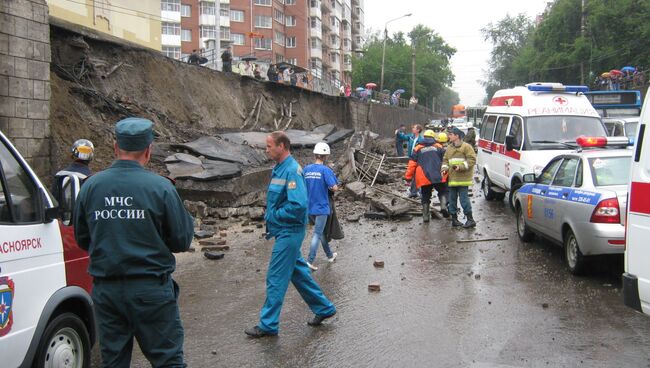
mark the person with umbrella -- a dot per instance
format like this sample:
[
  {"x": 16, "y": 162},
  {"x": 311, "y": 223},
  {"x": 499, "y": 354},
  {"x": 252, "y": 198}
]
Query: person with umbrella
[
  {"x": 272, "y": 73},
  {"x": 396, "y": 96},
  {"x": 628, "y": 75}
]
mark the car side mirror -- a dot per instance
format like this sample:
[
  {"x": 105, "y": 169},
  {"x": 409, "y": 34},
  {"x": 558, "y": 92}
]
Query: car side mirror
[
  {"x": 529, "y": 178},
  {"x": 510, "y": 142},
  {"x": 69, "y": 191}
]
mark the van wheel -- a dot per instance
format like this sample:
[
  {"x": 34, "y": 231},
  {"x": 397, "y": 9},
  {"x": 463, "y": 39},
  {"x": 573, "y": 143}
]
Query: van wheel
[
  {"x": 486, "y": 187},
  {"x": 575, "y": 261},
  {"x": 522, "y": 229},
  {"x": 65, "y": 343},
  {"x": 512, "y": 197}
]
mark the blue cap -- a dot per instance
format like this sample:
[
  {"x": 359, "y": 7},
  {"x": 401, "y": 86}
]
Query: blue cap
[
  {"x": 134, "y": 134},
  {"x": 457, "y": 132}
]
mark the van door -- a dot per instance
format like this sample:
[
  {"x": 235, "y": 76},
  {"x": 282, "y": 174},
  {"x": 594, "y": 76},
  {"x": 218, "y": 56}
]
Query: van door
[
  {"x": 31, "y": 255},
  {"x": 502, "y": 163},
  {"x": 485, "y": 159},
  {"x": 637, "y": 252}
]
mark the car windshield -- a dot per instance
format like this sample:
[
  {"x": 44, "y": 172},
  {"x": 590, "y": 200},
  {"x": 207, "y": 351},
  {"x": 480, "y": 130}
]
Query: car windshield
[
  {"x": 553, "y": 132},
  {"x": 610, "y": 170}
]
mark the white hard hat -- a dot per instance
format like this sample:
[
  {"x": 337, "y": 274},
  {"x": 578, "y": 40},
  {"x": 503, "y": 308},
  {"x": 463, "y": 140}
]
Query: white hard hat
[
  {"x": 83, "y": 149},
  {"x": 322, "y": 148}
]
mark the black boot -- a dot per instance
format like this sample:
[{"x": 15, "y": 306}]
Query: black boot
[
  {"x": 443, "y": 206},
  {"x": 470, "y": 222},
  {"x": 455, "y": 222},
  {"x": 425, "y": 212}
]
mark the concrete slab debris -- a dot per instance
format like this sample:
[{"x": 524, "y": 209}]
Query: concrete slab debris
[
  {"x": 339, "y": 136},
  {"x": 224, "y": 150}
]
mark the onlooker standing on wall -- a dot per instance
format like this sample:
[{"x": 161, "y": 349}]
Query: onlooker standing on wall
[{"x": 226, "y": 59}]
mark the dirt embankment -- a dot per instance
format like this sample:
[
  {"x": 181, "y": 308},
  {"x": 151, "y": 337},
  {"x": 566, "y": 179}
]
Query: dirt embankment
[{"x": 95, "y": 82}]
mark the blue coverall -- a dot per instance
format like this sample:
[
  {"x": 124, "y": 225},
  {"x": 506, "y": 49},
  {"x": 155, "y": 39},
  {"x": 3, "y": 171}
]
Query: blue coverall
[{"x": 286, "y": 219}]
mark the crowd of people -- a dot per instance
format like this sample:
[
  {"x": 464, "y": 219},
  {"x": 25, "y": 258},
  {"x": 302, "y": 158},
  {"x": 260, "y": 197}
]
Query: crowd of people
[
  {"x": 443, "y": 161},
  {"x": 628, "y": 77}
]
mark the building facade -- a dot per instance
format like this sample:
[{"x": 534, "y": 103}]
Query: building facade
[
  {"x": 134, "y": 21},
  {"x": 318, "y": 35}
]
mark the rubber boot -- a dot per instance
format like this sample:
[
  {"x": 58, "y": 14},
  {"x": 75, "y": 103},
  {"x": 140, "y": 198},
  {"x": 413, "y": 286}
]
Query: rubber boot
[
  {"x": 470, "y": 222},
  {"x": 425, "y": 212},
  {"x": 443, "y": 206},
  {"x": 455, "y": 222}
]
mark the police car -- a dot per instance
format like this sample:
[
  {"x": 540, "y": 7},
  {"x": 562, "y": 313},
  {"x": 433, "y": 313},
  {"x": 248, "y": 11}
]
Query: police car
[
  {"x": 46, "y": 313},
  {"x": 579, "y": 200},
  {"x": 523, "y": 128}
]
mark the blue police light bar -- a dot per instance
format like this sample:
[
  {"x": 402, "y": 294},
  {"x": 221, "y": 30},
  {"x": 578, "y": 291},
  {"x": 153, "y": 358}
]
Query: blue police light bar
[{"x": 555, "y": 87}]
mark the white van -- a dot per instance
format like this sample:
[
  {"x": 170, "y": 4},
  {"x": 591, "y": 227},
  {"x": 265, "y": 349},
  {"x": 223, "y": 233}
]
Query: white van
[
  {"x": 636, "y": 279},
  {"x": 523, "y": 128},
  {"x": 46, "y": 313}
]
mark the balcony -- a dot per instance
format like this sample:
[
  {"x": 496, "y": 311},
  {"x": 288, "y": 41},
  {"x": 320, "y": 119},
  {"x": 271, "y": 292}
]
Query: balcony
[
  {"x": 224, "y": 21},
  {"x": 347, "y": 33},
  {"x": 170, "y": 40},
  {"x": 224, "y": 1},
  {"x": 207, "y": 20},
  {"x": 347, "y": 67},
  {"x": 326, "y": 7},
  {"x": 170, "y": 16},
  {"x": 316, "y": 53},
  {"x": 335, "y": 66},
  {"x": 315, "y": 32},
  {"x": 315, "y": 12}
]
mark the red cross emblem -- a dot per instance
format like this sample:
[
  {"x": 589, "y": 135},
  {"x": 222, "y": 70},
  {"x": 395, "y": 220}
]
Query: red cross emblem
[{"x": 560, "y": 100}]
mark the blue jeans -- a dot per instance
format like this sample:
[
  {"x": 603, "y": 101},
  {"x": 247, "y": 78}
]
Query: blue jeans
[
  {"x": 463, "y": 193},
  {"x": 287, "y": 265},
  {"x": 319, "y": 237}
]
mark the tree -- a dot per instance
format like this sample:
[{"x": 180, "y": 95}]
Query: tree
[{"x": 432, "y": 54}]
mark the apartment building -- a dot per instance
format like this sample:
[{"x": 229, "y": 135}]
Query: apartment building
[{"x": 318, "y": 35}]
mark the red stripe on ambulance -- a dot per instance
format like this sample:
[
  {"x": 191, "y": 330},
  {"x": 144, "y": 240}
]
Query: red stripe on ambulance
[
  {"x": 76, "y": 260},
  {"x": 639, "y": 198}
]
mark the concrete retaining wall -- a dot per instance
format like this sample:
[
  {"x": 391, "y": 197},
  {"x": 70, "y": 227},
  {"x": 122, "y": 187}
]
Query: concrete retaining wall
[
  {"x": 384, "y": 119},
  {"x": 25, "y": 79}
]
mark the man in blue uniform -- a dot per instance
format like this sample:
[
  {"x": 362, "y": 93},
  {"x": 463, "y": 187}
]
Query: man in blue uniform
[
  {"x": 286, "y": 218},
  {"x": 131, "y": 221}
]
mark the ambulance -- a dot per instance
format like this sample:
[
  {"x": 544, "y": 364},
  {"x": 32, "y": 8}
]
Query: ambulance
[
  {"x": 46, "y": 313},
  {"x": 523, "y": 128},
  {"x": 636, "y": 279}
]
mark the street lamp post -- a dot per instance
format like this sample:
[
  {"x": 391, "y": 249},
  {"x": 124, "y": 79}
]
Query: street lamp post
[{"x": 383, "y": 53}]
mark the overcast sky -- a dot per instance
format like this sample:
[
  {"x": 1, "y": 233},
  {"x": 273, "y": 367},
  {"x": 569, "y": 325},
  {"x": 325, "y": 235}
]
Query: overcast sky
[{"x": 459, "y": 23}]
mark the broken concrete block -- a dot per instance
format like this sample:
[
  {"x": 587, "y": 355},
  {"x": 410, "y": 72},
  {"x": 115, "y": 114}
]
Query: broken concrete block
[
  {"x": 225, "y": 151},
  {"x": 374, "y": 286},
  {"x": 353, "y": 218},
  {"x": 216, "y": 248},
  {"x": 256, "y": 213},
  {"x": 339, "y": 136},
  {"x": 247, "y": 231},
  {"x": 203, "y": 234},
  {"x": 208, "y": 242},
  {"x": 356, "y": 189},
  {"x": 223, "y": 234},
  {"x": 325, "y": 129},
  {"x": 378, "y": 264},
  {"x": 197, "y": 209}
]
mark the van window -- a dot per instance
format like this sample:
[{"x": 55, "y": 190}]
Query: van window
[
  {"x": 487, "y": 130},
  {"x": 516, "y": 131},
  {"x": 19, "y": 204},
  {"x": 501, "y": 129},
  {"x": 550, "y": 132}
]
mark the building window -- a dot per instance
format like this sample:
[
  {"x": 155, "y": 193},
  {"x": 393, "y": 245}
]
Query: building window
[
  {"x": 170, "y": 5},
  {"x": 209, "y": 32},
  {"x": 224, "y": 10},
  {"x": 208, "y": 8},
  {"x": 278, "y": 38},
  {"x": 172, "y": 52},
  {"x": 237, "y": 38},
  {"x": 291, "y": 42},
  {"x": 315, "y": 43},
  {"x": 334, "y": 58},
  {"x": 315, "y": 3},
  {"x": 278, "y": 16},
  {"x": 186, "y": 35},
  {"x": 173, "y": 29},
  {"x": 290, "y": 2},
  {"x": 224, "y": 33},
  {"x": 293, "y": 61},
  {"x": 236, "y": 15},
  {"x": 279, "y": 58},
  {"x": 263, "y": 44},
  {"x": 263, "y": 21},
  {"x": 315, "y": 23},
  {"x": 291, "y": 20},
  {"x": 186, "y": 10},
  {"x": 263, "y": 2}
]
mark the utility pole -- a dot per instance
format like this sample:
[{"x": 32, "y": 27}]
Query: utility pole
[
  {"x": 413, "y": 71},
  {"x": 582, "y": 34},
  {"x": 383, "y": 52}
]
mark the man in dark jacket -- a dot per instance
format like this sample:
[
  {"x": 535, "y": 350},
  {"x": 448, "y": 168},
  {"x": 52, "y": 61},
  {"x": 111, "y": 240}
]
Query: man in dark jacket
[{"x": 226, "y": 59}]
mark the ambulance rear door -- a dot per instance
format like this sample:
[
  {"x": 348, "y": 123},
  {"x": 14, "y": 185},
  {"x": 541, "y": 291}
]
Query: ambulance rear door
[{"x": 31, "y": 255}]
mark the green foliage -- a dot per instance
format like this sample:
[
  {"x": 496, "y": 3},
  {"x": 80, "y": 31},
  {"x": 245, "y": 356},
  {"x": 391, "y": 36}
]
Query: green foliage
[
  {"x": 617, "y": 33},
  {"x": 432, "y": 54}
]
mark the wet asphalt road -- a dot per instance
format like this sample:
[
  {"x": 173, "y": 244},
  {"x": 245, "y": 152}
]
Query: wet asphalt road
[{"x": 442, "y": 303}]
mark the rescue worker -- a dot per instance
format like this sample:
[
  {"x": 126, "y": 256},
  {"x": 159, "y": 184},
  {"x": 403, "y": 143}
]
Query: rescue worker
[
  {"x": 458, "y": 162},
  {"x": 286, "y": 217},
  {"x": 82, "y": 153},
  {"x": 413, "y": 139},
  {"x": 131, "y": 221},
  {"x": 424, "y": 168},
  {"x": 470, "y": 137},
  {"x": 320, "y": 181}
]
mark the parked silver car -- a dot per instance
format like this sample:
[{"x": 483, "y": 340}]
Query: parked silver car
[{"x": 578, "y": 201}]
